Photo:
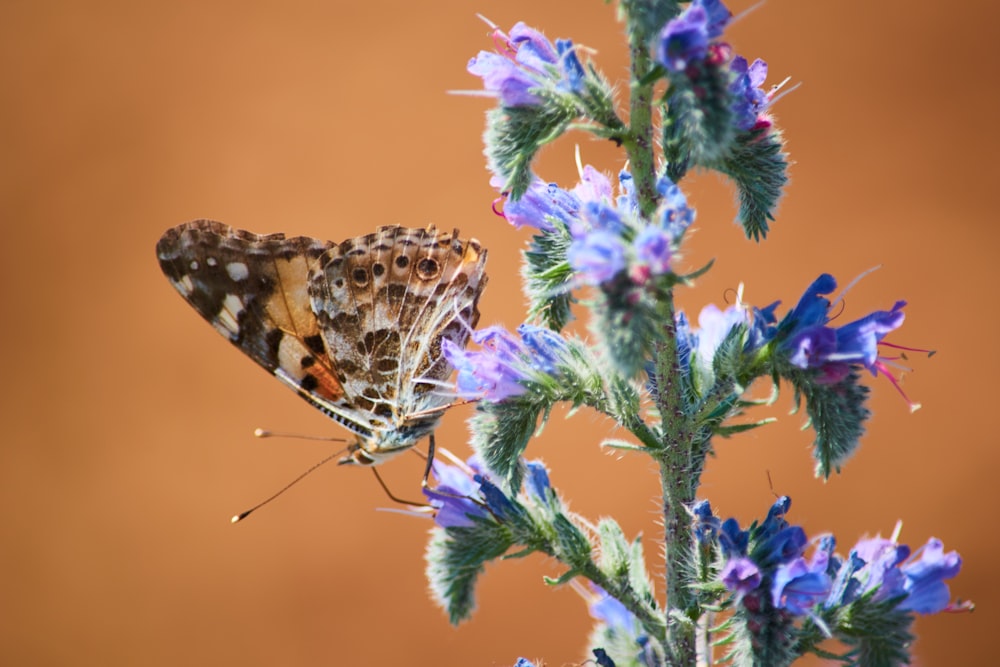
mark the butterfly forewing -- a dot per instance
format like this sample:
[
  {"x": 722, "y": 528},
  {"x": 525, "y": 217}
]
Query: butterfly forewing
[{"x": 355, "y": 328}]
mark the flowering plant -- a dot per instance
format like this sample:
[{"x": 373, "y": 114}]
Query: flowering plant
[{"x": 762, "y": 595}]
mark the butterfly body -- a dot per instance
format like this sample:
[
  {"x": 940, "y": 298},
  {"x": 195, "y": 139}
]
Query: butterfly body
[{"x": 355, "y": 328}]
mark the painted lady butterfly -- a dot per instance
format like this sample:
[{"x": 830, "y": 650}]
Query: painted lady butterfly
[{"x": 355, "y": 328}]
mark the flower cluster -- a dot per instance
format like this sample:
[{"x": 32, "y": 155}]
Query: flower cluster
[
  {"x": 689, "y": 46},
  {"x": 506, "y": 365},
  {"x": 772, "y": 554},
  {"x": 805, "y": 339},
  {"x": 607, "y": 234},
  {"x": 467, "y": 493},
  {"x": 527, "y": 64}
]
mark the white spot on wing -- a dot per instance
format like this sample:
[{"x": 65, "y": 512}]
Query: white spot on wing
[
  {"x": 211, "y": 261},
  {"x": 227, "y": 320},
  {"x": 194, "y": 265},
  {"x": 237, "y": 271}
]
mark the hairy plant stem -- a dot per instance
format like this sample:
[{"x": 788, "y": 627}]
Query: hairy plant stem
[
  {"x": 675, "y": 451},
  {"x": 679, "y": 486},
  {"x": 639, "y": 145}
]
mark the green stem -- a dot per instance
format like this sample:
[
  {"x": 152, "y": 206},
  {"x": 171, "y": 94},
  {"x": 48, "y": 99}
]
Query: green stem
[
  {"x": 639, "y": 145},
  {"x": 675, "y": 458}
]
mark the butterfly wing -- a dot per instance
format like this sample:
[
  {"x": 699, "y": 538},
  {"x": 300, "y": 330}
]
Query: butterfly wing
[
  {"x": 384, "y": 302},
  {"x": 254, "y": 290}
]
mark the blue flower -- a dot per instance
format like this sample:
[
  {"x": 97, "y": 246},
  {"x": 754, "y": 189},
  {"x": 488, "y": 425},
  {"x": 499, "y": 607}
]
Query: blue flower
[
  {"x": 926, "y": 592},
  {"x": 740, "y": 575},
  {"x": 652, "y": 252},
  {"x": 750, "y": 100},
  {"x": 523, "y": 662},
  {"x": 806, "y": 342},
  {"x": 706, "y": 524},
  {"x": 888, "y": 568},
  {"x": 800, "y": 585},
  {"x": 528, "y": 62},
  {"x": 465, "y": 494},
  {"x": 612, "y": 613},
  {"x": 540, "y": 206},
  {"x": 674, "y": 213},
  {"x": 597, "y": 256},
  {"x": 456, "y": 495},
  {"x": 491, "y": 373},
  {"x": 537, "y": 480},
  {"x": 684, "y": 39},
  {"x": 718, "y": 16},
  {"x": 505, "y": 363}
]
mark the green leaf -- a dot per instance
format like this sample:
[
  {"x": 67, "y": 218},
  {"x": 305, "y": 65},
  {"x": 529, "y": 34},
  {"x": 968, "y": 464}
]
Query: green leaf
[{"x": 758, "y": 166}]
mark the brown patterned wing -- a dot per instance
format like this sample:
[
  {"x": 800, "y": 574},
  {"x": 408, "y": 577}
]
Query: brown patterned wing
[
  {"x": 254, "y": 290},
  {"x": 384, "y": 302}
]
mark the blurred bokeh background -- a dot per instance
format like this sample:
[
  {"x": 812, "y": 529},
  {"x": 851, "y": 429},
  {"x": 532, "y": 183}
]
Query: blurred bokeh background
[{"x": 127, "y": 420}]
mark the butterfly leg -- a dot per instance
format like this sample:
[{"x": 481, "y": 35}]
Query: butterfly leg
[
  {"x": 430, "y": 462},
  {"x": 392, "y": 497}
]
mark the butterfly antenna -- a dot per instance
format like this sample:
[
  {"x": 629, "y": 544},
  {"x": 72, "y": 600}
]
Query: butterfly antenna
[
  {"x": 242, "y": 515},
  {"x": 264, "y": 433}
]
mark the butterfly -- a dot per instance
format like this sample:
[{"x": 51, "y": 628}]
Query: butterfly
[{"x": 354, "y": 328}]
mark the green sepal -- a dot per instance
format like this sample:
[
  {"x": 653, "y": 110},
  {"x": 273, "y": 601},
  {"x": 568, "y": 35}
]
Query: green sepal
[
  {"x": 837, "y": 414},
  {"x": 547, "y": 276},
  {"x": 758, "y": 165},
  {"x": 515, "y": 134},
  {"x": 878, "y": 634},
  {"x": 455, "y": 559},
  {"x": 698, "y": 123}
]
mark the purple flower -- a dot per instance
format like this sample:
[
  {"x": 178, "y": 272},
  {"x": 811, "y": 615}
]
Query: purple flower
[
  {"x": 887, "y": 567},
  {"x": 652, "y": 251},
  {"x": 800, "y": 585},
  {"x": 740, "y": 575},
  {"x": 808, "y": 343},
  {"x": 528, "y": 62},
  {"x": 500, "y": 369},
  {"x": 465, "y": 494},
  {"x": 540, "y": 205},
  {"x": 706, "y": 524},
  {"x": 750, "y": 99},
  {"x": 684, "y": 39},
  {"x": 597, "y": 256},
  {"x": 594, "y": 186},
  {"x": 926, "y": 592},
  {"x": 609, "y": 611},
  {"x": 456, "y": 495},
  {"x": 537, "y": 480},
  {"x": 718, "y": 16},
  {"x": 483, "y": 374},
  {"x": 674, "y": 213}
]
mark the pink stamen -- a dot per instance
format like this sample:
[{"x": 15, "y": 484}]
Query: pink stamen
[
  {"x": 497, "y": 205},
  {"x": 503, "y": 44},
  {"x": 929, "y": 353},
  {"x": 882, "y": 368}
]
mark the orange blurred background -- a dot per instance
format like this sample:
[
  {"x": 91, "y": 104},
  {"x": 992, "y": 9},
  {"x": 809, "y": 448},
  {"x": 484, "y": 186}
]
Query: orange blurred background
[{"x": 128, "y": 441}]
